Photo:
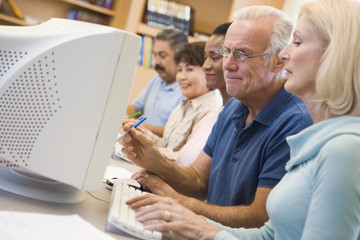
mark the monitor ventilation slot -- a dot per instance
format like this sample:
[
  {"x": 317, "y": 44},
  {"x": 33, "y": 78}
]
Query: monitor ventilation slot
[{"x": 27, "y": 104}]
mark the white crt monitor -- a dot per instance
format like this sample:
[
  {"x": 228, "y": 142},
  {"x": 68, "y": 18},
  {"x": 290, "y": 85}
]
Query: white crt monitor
[{"x": 64, "y": 88}]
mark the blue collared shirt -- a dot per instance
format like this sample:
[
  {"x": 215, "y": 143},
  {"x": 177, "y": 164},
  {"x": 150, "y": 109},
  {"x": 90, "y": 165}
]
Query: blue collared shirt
[
  {"x": 245, "y": 158},
  {"x": 158, "y": 100}
]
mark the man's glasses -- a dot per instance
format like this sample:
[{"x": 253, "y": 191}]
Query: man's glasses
[{"x": 238, "y": 55}]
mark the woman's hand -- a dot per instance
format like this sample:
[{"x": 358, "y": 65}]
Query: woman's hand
[{"x": 171, "y": 216}]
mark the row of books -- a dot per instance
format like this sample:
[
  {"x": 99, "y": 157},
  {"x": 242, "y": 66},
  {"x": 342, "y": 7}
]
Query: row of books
[
  {"x": 146, "y": 57},
  {"x": 163, "y": 13},
  {"x": 101, "y": 3},
  {"x": 86, "y": 16}
]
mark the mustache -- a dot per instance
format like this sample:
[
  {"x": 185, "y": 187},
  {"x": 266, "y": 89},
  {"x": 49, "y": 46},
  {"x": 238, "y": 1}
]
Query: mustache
[{"x": 159, "y": 67}]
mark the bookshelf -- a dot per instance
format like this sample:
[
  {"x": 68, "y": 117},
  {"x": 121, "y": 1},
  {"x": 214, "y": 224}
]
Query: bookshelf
[{"x": 207, "y": 14}]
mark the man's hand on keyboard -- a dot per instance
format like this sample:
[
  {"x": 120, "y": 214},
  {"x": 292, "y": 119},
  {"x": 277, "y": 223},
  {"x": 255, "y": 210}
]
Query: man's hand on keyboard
[
  {"x": 154, "y": 183},
  {"x": 166, "y": 214}
]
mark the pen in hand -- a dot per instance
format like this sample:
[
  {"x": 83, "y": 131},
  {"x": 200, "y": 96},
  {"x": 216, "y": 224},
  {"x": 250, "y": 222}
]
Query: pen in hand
[{"x": 133, "y": 126}]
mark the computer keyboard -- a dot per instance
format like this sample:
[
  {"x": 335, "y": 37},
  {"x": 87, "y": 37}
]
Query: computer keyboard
[{"x": 122, "y": 217}]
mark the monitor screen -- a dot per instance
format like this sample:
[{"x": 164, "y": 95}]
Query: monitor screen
[{"x": 64, "y": 88}]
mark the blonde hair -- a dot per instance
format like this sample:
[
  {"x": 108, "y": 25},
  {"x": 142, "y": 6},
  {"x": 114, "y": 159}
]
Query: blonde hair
[{"x": 338, "y": 78}]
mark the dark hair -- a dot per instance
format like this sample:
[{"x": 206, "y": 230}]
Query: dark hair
[
  {"x": 175, "y": 37},
  {"x": 221, "y": 29},
  {"x": 193, "y": 54}
]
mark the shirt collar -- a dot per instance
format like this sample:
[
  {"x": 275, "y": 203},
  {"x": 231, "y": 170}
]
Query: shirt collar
[
  {"x": 198, "y": 101},
  {"x": 268, "y": 115},
  {"x": 273, "y": 109},
  {"x": 170, "y": 87}
]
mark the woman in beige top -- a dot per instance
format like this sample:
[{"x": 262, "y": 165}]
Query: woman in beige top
[{"x": 199, "y": 100}]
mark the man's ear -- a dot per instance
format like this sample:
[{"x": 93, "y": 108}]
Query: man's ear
[{"x": 279, "y": 64}]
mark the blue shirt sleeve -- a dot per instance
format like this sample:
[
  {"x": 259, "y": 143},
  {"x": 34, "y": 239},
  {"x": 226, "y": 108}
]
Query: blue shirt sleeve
[{"x": 139, "y": 102}]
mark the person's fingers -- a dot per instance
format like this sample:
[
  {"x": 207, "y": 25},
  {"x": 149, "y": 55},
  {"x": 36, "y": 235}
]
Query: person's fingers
[
  {"x": 141, "y": 201},
  {"x": 127, "y": 126},
  {"x": 149, "y": 199},
  {"x": 127, "y": 153},
  {"x": 138, "y": 174},
  {"x": 141, "y": 136},
  {"x": 141, "y": 129},
  {"x": 153, "y": 183},
  {"x": 151, "y": 215},
  {"x": 161, "y": 226},
  {"x": 130, "y": 120},
  {"x": 136, "y": 199},
  {"x": 165, "y": 214},
  {"x": 126, "y": 141}
]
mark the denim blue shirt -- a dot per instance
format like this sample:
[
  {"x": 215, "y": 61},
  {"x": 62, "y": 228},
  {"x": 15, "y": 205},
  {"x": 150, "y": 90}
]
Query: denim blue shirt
[
  {"x": 158, "y": 100},
  {"x": 245, "y": 158}
]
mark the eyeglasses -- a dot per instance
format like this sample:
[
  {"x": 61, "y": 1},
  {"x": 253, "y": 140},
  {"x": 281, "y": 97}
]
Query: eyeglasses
[{"x": 238, "y": 55}]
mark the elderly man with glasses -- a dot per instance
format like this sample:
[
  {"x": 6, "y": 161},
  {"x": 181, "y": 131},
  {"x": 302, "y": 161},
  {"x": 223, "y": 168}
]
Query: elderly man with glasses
[{"x": 246, "y": 152}]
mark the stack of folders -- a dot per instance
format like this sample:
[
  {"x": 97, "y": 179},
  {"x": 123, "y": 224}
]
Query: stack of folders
[{"x": 163, "y": 13}]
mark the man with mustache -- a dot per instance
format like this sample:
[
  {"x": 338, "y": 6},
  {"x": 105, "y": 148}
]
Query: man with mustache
[{"x": 163, "y": 93}]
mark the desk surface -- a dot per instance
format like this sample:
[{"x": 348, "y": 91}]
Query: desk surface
[{"x": 94, "y": 209}]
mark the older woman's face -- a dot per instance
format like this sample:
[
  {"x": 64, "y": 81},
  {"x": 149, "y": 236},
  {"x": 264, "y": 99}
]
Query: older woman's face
[
  {"x": 302, "y": 59},
  {"x": 191, "y": 79}
]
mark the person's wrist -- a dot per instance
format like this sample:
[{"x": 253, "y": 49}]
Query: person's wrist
[
  {"x": 163, "y": 166},
  {"x": 209, "y": 232}
]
